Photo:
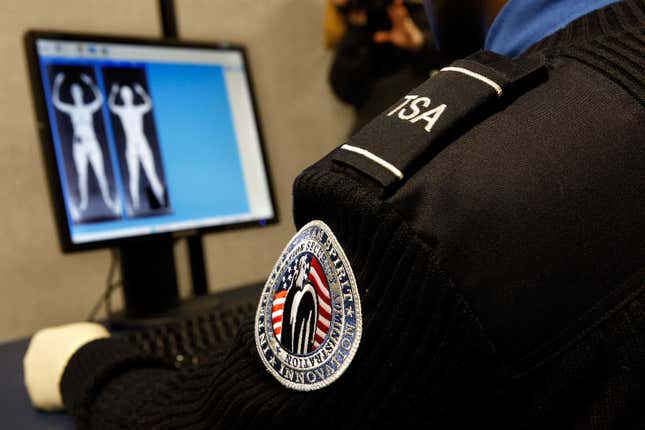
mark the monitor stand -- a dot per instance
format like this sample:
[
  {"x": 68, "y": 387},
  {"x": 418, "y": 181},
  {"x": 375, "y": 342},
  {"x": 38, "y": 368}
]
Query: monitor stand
[{"x": 150, "y": 292}]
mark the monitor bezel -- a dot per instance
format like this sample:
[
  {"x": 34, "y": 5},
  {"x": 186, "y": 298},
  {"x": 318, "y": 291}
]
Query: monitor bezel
[{"x": 47, "y": 142}]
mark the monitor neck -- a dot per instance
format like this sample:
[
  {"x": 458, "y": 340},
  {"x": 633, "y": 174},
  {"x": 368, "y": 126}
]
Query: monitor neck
[{"x": 149, "y": 277}]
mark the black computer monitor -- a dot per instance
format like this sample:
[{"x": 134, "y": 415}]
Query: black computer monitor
[{"x": 145, "y": 140}]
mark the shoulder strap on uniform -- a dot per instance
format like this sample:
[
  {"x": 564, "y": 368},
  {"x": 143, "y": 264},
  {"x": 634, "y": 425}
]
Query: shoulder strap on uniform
[{"x": 418, "y": 126}]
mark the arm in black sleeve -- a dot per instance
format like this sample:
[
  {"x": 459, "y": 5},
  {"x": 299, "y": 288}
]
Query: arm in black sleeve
[
  {"x": 351, "y": 75},
  {"x": 428, "y": 57},
  {"x": 97, "y": 372},
  {"x": 111, "y": 384}
]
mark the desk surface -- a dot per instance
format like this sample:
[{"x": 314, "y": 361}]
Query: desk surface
[{"x": 15, "y": 409}]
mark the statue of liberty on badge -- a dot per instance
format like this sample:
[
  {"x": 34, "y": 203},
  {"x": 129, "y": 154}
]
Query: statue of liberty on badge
[{"x": 308, "y": 324}]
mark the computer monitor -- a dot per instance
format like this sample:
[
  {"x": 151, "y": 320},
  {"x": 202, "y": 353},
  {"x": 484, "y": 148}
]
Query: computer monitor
[{"x": 145, "y": 140}]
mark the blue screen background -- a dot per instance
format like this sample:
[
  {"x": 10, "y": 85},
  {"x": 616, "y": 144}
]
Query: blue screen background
[{"x": 196, "y": 136}]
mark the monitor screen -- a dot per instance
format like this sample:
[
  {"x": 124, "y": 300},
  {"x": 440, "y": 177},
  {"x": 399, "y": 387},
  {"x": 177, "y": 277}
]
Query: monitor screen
[{"x": 151, "y": 138}]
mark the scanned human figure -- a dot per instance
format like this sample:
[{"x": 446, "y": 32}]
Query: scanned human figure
[
  {"x": 85, "y": 146},
  {"x": 137, "y": 148}
]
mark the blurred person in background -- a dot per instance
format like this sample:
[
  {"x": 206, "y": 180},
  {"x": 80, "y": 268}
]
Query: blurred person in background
[{"x": 383, "y": 49}]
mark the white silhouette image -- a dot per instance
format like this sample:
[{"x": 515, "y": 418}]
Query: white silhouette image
[
  {"x": 86, "y": 149},
  {"x": 137, "y": 148}
]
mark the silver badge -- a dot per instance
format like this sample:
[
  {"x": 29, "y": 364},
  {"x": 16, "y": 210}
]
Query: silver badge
[{"x": 308, "y": 324}]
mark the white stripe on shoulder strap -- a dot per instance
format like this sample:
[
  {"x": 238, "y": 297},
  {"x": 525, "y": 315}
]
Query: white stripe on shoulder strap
[
  {"x": 378, "y": 160},
  {"x": 495, "y": 85}
]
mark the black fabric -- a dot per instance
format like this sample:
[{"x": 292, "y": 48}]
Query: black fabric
[
  {"x": 596, "y": 383},
  {"x": 537, "y": 212},
  {"x": 84, "y": 382},
  {"x": 501, "y": 284}
]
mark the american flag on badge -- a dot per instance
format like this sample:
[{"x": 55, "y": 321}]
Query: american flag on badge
[{"x": 316, "y": 277}]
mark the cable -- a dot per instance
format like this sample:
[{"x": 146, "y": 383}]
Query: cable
[{"x": 110, "y": 286}]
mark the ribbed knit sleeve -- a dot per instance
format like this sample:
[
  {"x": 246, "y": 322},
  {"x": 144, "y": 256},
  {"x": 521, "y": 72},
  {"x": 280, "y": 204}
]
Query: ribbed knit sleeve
[{"x": 94, "y": 367}]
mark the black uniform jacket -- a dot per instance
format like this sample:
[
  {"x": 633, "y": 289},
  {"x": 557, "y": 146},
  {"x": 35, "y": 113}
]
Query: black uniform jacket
[{"x": 501, "y": 275}]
